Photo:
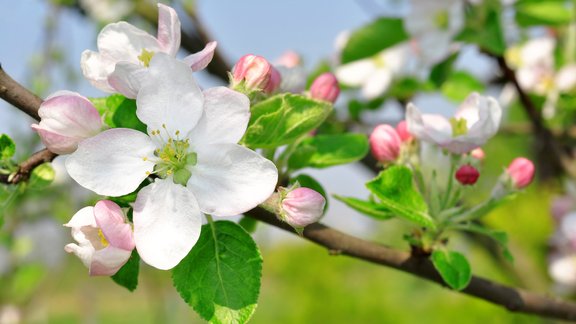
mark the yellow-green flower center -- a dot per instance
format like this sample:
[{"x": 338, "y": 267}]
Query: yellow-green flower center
[
  {"x": 379, "y": 61},
  {"x": 145, "y": 57},
  {"x": 442, "y": 19},
  {"x": 459, "y": 126},
  {"x": 103, "y": 239}
]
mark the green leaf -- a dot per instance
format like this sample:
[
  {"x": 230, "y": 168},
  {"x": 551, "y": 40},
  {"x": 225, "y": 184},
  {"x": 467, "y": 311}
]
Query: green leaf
[
  {"x": 550, "y": 13},
  {"x": 220, "y": 277},
  {"x": 485, "y": 29},
  {"x": 323, "y": 151},
  {"x": 282, "y": 119},
  {"x": 459, "y": 85},
  {"x": 42, "y": 176},
  {"x": 124, "y": 113},
  {"x": 373, "y": 38},
  {"x": 7, "y": 147},
  {"x": 395, "y": 189},
  {"x": 453, "y": 268},
  {"x": 441, "y": 71},
  {"x": 248, "y": 224},
  {"x": 127, "y": 276},
  {"x": 499, "y": 237},
  {"x": 100, "y": 105},
  {"x": 366, "y": 207}
]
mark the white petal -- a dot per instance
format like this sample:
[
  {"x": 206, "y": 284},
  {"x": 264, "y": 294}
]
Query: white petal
[
  {"x": 563, "y": 270},
  {"x": 168, "y": 30},
  {"x": 108, "y": 261},
  {"x": 83, "y": 252},
  {"x": 169, "y": 95},
  {"x": 198, "y": 61},
  {"x": 124, "y": 42},
  {"x": 355, "y": 73},
  {"x": 377, "y": 84},
  {"x": 83, "y": 217},
  {"x": 112, "y": 163},
  {"x": 566, "y": 78},
  {"x": 226, "y": 116},
  {"x": 70, "y": 114},
  {"x": 428, "y": 127},
  {"x": 96, "y": 69},
  {"x": 167, "y": 223},
  {"x": 230, "y": 179},
  {"x": 127, "y": 79}
]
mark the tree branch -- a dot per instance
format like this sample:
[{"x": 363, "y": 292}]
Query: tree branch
[
  {"x": 26, "y": 167},
  {"x": 18, "y": 96},
  {"x": 516, "y": 300}
]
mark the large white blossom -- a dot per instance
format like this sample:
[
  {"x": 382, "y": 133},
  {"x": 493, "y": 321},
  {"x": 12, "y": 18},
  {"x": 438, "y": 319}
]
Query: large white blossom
[
  {"x": 476, "y": 120},
  {"x": 191, "y": 147},
  {"x": 125, "y": 50},
  {"x": 433, "y": 24},
  {"x": 375, "y": 74}
]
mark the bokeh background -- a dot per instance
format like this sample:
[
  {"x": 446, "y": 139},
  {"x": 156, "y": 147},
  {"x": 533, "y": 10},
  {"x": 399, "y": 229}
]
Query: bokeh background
[{"x": 40, "y": 46}]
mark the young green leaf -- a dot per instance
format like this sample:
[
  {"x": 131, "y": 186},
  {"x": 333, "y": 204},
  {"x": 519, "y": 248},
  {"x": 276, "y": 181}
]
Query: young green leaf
[
  {"x": 220, "y": 277},
  {"x": 453, "y": 268},
  {"x": 459, "y": 85},
  {"x": 7, "y": 147},
  {"x": 499, "y": 237},
  {"x": 127, "y": 276},
  {"x": 282, "y": 119},
  {"x": 485, "y": 29},
  {"x": 366, "y": 207},
  {"x": 550, "y": 13},
  {"x": 123, "y": 113},
  {"x": 42, "y": 176},
  {"x": 323, "y": 151},
  {"x": 373, "y": 38},
  {"x": 395, "y": 189}
]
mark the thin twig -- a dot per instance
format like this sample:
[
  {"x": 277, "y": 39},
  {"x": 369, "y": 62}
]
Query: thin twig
[
  {"x": 26, "y": 167},
  {"x": 18, "y": 96},
  {"x": 514, "y": 299}
]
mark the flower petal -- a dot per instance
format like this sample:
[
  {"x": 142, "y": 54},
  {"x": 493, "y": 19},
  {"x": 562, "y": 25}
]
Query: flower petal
[
  {"x": 112, "y": 163},
  {"x": 55, "y": 142},
  {"x": 225, "y": 118},
  {"x": 167, "y": 223},
  {"x": 123, "y": 42},
  {"x": 200, "y": 60},
  {"x": 110, "y": 218},
  {"x": 108, "y": 261},
  {"x": 230, "y": 179},
  {"x": 84, "y": 252},
  {"x": 169, "y": 96},
  {"x": 168, "y": 30},
  {"x": 127, "y": 79},
  {"x": 428, "y": 127},
  {"x": 83, "y": 217},
  {"x": 377, "y": 83},
  {"x": 96, "y": 69},
  {"x": 355, "y": 73}
]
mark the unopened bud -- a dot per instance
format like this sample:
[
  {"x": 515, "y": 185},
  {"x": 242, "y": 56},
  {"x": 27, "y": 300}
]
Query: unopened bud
[
  {"x": 402, "y": 130},
  {"x": 302, "y": 207},
  {"x": 521, "y": 172},
  {"x": 385, "y": 143},
  {"x": 256, "y": 73},
  {"x": 478, "y": 154},
  {"x": 467, "y": 175},
  {"x": 325, "y": 87}
]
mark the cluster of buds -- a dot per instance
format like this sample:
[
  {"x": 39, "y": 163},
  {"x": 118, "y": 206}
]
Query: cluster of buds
[{"x": 386, "y": 142}]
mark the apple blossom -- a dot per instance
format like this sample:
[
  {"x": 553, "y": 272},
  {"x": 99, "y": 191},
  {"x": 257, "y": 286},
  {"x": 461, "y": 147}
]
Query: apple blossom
[
  {"x": 534, "y": 62},
  {"x": 476, "y": 120},
  {"x": 105, "y": 240},
  {"x": 302, "y": 207},
  {"x": 521, "y": 172},
  {"x": 66, "y": 118},
  {"x": 124, "y": 50},
  {"x": 292, "y": 72},
  {"x": 467, "y": 175},
  {"x": 107, "y": 10},
  {"x": 190, "y": 147},
  {"x": 433, "y": 24},
  {"x": 375, "y": 74},
  {"x": 325, "y": 87},
  {"x": 385, "y": 143},
  {"x": 563, "y": 269}
]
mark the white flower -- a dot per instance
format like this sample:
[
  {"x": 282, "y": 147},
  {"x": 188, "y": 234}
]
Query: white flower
[
  {"x": 433, "y": 24},
  {"x": 562, "y": 269},
  {"x": 105, "y": 240},
  {"x": 534, "y": 62},
  {"x": 191, "y": 147},
  {"x": 107, "y": 10},
  {"x": 375, "y": 74},
  {"x": 124, "y": 50},
  {"x": 476, "y": 120}
]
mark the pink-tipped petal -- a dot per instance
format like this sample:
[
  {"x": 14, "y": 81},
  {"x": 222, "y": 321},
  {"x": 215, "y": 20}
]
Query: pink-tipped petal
[
  {"x": 168, "y": 29},
  {"x": 200, "y": 60},
  {"x": 110, "y": 218}
]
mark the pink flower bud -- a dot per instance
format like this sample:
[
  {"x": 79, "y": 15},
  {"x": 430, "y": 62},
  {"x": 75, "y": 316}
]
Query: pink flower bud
[
  {"x": 257, "y": 73},
  {"x": 289, "y": 59},
  {"x": 478, "y": 154},
  {"x": 402, "y": 130},
  {"x": 385, "y": 143},
  {"x": 521, "y": 172},
  {"x": 105, "y": 240},
  {"x": 302, "y": 207},
  {"x": 325, "y": 87},
  {"x": 66, "y": 118},
  {"x": 467, "y": 175}
]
